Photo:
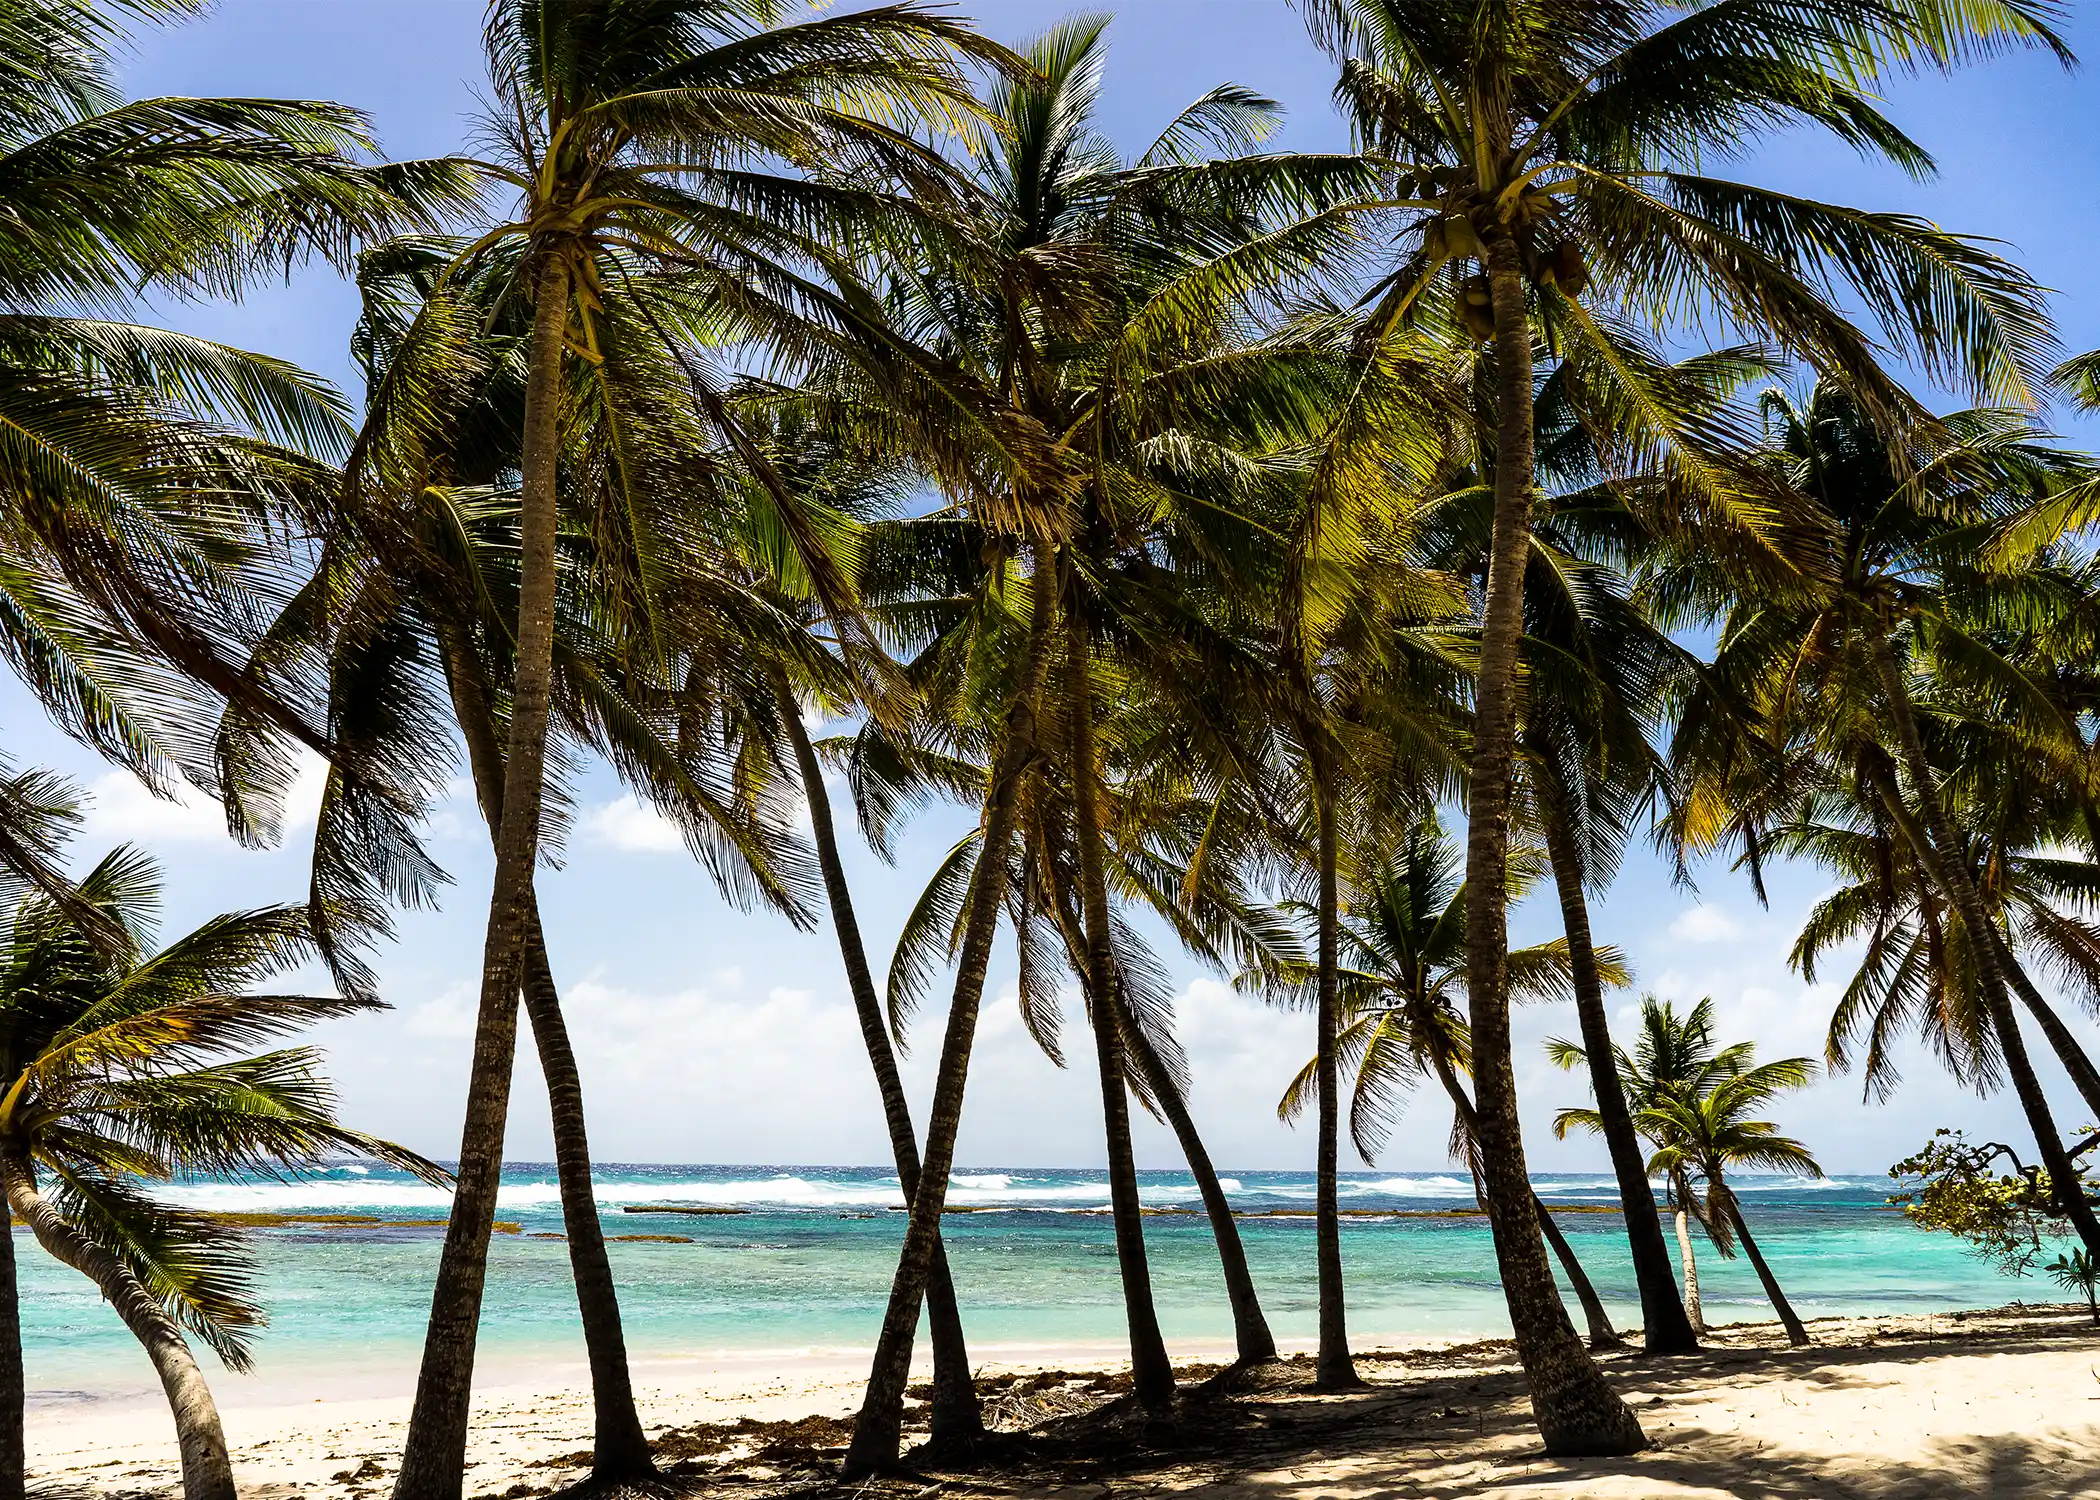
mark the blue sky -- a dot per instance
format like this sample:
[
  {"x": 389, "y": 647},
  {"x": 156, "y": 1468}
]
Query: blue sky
[{"x": 707, "y": 1035}]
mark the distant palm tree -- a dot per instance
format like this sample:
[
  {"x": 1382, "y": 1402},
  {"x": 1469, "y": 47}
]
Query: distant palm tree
[
  {"x": 121, "y": 1066},
  {"x": 1558, "y": 146},
  {"x": 1710, "y": 1132},
  {"x": 1674, "y": 1056}
]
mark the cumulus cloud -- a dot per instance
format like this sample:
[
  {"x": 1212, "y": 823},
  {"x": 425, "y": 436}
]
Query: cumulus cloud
[
  {"x": 120, "y": 809},
  {"x": 1705, "y": 924},
  {"x": 628, "y": 826}
]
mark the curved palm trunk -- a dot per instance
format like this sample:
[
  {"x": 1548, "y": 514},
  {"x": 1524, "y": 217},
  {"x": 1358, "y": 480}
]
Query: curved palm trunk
[
  {"x": 1251, "y": 1336},
  {"x": 879, "y": 1423},
  {"x": 620, "y": 1449},
  {"x": 1683, "y": 1221},
  {"x": 957, "y": 1417},
  {"x": 1577, "y": 1410},
  {"x": 207, "y": 1469},
  {"x": 1951, "y": 873},
  {"x": 2061, "y": 1039},
  {"x": 433, "y": 1460},
  {"x": 1796, "y": 1334},
  {"x": 1334, "y": 1369},
  {"x": 1665, "y": 1329},
  {"x": 1151, "y": 1372},
  {"x": 1602, "y": 1334},
  {"x": 14, "y": 1394}
]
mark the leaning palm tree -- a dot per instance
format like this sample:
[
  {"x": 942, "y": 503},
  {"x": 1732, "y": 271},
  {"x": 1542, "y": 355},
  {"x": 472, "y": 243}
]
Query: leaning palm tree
[
  {"x": 406, "y": 623},
  {"x": 1820, "y": 679},
  {"x": 1710, "y": 1132},
  {"x": 1098, "y": 340},
  {"x": 1556, "y": 145},
  {"x": 694, "y": 137},
  {"x": 138, "y": 466},
  {"x": 126, "y": 1067}
]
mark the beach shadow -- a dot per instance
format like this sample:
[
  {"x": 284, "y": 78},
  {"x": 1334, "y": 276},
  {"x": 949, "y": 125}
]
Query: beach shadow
[{"x": 1458, "y": 1423}]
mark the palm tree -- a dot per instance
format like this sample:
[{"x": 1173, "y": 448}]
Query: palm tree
[
  {"x": 1555, "y": 143},
  {"x": 1675, "y": 1056},
  {"x": 1915, "y": 971},
  {"x": 138, "y": 467},
  {"x": 1710, "y": 1131},
  {"x": 1819, "y": 678},
  {"x": 1149, "y": 837},
  {"x": 406, "y": 620},
  {"x": 1401, "y": 972},
  {"x": 127, "y": 1066},
  {"x": 1600, "y": 676},
  {"x": 693, "y": 137},
  {"x": 1094, "y": 346}
]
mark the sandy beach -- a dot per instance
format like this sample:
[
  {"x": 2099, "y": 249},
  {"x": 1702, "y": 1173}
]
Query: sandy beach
[{"x": 1999, "y": 1403}]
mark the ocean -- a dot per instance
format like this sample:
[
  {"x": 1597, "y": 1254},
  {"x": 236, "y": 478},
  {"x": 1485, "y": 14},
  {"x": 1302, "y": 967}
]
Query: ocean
[{"x": 805, "y": 1268}]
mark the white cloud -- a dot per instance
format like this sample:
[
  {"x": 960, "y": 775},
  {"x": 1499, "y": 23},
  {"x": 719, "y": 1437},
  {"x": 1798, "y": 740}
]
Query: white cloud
[
  {"x": 1705, "y": 924},
  {"x": 121, "y": 810},
  {"x": 626, "y": 825}
]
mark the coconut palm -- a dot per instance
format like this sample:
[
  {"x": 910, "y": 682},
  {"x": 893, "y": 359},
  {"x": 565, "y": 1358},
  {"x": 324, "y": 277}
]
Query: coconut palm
[
  {"x": 1709, "y": 1131},
  {"x": 1110, "y": 316},
  {"x": 689, "y": 136},
  {"x": 1828, "y": 670},
  {"x": 1556, "y": 144},
  {"x": 1599, "y": 678},
  {"x": 1675, "y": 1056},
  {"x": 127, "y": 1066},
  {"x": 137, "y": 466},
  {"x": 407, "y": 621}
]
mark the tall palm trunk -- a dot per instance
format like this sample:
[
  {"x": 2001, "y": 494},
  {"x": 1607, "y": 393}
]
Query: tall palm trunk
[
  {"x": 14, "y": 1392},
  {"x": 1951, "y": 873},
  {"x": 879, "y": 1423},
  {"x": 1152, "y": 1372},
  {"x": 434, "y": 1458},
  {"x": 1333, "y": 1369},
  {"x": 1602, "y": 1334},
  {"x": 957, "y": 1418},
  {"x": 1796, "y": 1334},
  {"x": 1577, "y": 1410},
  {"x": 1664, "y": 1327},
  {"x": 620, "y": 1449},
  {"x": 1252, "y": 1339},
  {"x": 207, "y": 1469},
  {"x": 1683, "y": 1221}
]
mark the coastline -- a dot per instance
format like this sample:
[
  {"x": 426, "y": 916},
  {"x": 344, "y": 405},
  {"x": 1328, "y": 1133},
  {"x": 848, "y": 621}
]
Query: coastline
[{"x": 1874, "y": 1397}]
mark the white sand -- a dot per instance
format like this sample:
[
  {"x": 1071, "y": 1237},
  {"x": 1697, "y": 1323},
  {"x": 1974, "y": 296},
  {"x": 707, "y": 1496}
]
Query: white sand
[{"x": 2003, "y": 1404}]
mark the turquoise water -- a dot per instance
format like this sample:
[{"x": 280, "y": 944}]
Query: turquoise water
[{"x": 807, "y": 1267}]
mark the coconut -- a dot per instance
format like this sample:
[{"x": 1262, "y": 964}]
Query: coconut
[
  {"x": 1476, "y": 290},
  {"x": 1480, "y": 323},
  {"x": 1451, "y": 238},
  {"x": 1567, "y": 269}
]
